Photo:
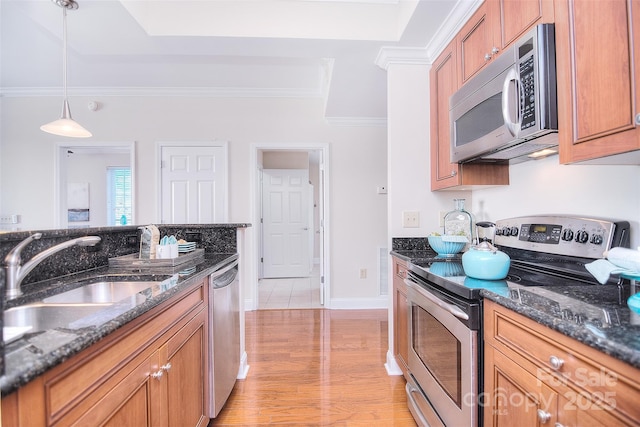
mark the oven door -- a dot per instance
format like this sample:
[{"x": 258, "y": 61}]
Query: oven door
[{"x": 443, "y": 354}]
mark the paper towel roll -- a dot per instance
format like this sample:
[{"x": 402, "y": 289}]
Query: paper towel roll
[{"x": 625, "y": 258}]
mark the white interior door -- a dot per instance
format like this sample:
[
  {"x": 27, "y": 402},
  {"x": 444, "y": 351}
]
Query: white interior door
[
  {"x": 286, "y": 228},
  {"x": 193, "y": 184}
]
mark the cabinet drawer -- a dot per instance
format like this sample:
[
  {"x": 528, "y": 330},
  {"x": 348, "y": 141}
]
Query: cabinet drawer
[
  {"x": 400, "y": 268},
  {"x": 587, "y": 378}
]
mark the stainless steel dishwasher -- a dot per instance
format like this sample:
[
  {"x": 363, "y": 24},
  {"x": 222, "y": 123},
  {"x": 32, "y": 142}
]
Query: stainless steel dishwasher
[{"x": 224, "y": 335}]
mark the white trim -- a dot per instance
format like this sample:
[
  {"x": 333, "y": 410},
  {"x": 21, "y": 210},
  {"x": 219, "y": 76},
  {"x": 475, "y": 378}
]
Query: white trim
[
  {"x": 391, "y": 365},
  {"x": 57, "y": 169},
  {"x": 388, "y": 55},
  {"x": 198, "y": 92},
  {"x": 459, "y": 15},
  {"x": 213, "y": 143},
  {"x": 251, "y": 301},
  {"x": 381, "y": 302}
]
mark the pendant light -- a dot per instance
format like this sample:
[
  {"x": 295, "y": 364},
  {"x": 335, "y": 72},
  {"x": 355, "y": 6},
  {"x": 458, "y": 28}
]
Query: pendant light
[{"x": 65, "y": 125}]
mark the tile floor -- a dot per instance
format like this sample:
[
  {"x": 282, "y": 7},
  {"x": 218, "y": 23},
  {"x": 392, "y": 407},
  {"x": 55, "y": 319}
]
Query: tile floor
[{"x": 297, "y": 292}]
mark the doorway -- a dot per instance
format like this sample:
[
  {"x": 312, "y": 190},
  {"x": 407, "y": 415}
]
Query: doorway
[
  {"x": 83, "y": 195},
  {"x": 313, "y": 274}
]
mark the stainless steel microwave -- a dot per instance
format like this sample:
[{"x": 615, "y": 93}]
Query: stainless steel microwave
[{"x": 509, "y": 109}]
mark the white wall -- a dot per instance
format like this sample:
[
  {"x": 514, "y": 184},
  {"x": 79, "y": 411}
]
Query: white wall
[
  {"x": 357, "y": 154},
  {"x": 546, "y": 187},
  {"x": 408, "y": 154},
  {"x": 536, "y": 187}
]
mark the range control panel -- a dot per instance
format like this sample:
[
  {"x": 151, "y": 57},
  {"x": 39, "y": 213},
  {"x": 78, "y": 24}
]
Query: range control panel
[{"x": 562, "y": 235}]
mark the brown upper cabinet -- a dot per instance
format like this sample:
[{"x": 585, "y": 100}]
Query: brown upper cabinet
[
  {"x": 444, "y": 81},
  {"x": 598, "y": 97},
  {"x": 493, "y": 27}
]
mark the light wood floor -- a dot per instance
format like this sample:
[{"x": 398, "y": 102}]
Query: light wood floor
[{"x": 317, "y": 367}]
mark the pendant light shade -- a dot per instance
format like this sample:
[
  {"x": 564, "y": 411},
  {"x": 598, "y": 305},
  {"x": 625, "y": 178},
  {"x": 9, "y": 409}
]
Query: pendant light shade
[{"x": 65, "y": 125}]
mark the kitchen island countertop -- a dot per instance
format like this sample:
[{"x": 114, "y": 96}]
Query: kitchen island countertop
[{"x": 35, "y": 353}]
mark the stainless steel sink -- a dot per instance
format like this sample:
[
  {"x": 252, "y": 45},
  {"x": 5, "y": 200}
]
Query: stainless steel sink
[
  {"x": 78, "y": 307},
  {"x": 40, "y": 316},
  {"x": 101, "y": 292}
]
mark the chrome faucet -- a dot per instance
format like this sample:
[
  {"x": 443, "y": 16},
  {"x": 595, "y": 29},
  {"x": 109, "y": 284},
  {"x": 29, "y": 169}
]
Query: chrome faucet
[{"x": 15, "y": 272}]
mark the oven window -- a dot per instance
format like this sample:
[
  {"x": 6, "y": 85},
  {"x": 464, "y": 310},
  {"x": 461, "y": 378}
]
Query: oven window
[{"x": 439, "y": 351}]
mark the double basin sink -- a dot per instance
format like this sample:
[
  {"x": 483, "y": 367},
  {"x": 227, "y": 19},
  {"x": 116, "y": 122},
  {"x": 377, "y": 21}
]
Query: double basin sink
[{"x": 67, "y": 309}]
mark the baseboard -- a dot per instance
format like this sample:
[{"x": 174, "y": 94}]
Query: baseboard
[
  {"x": 359, "y": 303},
  {"x": 244, "y": 367},
  {"x": 392, "y": 366}
]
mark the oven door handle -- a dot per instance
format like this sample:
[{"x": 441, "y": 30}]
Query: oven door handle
[{"x": 453, "y": 309}]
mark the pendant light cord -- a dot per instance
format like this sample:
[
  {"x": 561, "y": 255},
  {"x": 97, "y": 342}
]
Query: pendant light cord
[
  {"x": 65, "y": 4},
  {"x": 64, "y": 52}
]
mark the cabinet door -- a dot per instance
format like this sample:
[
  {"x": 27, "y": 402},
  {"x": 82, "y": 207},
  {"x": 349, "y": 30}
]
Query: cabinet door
[
  {"x": 131, "y": 402},
  {"x": 184, "y": 358},
  {"x": 400, "y": 314},
  {"x": 515, "y": 397},
  {"x": 476, "y": 46},
  {"x": 443, "y": 82},
  {"x": 597, "y": 77},
  {"x": 516, "y": 17}
]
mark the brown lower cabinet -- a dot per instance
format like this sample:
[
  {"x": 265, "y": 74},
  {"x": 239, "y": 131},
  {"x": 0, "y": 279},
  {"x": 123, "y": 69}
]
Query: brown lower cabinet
[
  {"x": 151, "y": 372},
  {"x": 400, "y": 315},
  {"x": 536, "y": 376}
]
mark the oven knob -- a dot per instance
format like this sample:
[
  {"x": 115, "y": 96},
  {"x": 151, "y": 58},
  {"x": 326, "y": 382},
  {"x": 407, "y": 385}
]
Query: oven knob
[
  {"x": 582, "y": 236},
  {"x": 567, "y": 235},
  {"x": 514, "y": 231},
  {"x": 597, "y": 239}
]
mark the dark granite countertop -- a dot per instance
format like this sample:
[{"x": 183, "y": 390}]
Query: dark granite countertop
[
  {"x": 34, "y": 353},
  {"x": 596, "y": 315}
]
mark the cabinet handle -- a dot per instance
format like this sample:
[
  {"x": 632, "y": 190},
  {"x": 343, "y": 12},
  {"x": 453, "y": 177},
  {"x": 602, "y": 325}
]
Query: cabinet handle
[
  {"x": 487, "y": 56},
  {"x": 558, "y": 425},
  {"x": 495, "y": 50},
  {"x": 454, "y": 173},
  {"x": 166, "y": 367},
  {"x": 555, "y": 362},
  {"x": 157, "y": 375},
  {"x": 638, "y": 119},
  {"x": 543, "y": 416}
]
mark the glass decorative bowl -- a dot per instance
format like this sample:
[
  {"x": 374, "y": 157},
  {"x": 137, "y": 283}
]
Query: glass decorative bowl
[{"x": 447, "y": 245}]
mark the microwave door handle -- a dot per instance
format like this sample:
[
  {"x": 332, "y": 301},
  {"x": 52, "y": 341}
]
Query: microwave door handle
[{"x": 512, "y": 76}]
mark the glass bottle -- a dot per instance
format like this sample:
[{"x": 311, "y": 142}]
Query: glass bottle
[{"x": 459, "y": 222}]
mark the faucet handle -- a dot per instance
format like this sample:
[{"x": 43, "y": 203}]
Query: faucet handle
[{"x": 13, "y": 257}]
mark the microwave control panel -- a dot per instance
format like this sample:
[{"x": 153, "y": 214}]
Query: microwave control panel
[{"x": 527, "y": 93}]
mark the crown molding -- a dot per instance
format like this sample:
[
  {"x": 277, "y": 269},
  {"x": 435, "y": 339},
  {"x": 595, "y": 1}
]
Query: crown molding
[
  {"x": 459, "y": 14},
  {"x": 203, "y": 92},
  {"x": 388, "y": 55}
]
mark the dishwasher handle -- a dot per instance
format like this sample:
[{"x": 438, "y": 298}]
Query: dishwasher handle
[{"x": 224, "y": 276}]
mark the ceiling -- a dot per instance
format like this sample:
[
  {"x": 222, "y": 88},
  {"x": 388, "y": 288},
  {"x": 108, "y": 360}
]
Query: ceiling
[{"x": 329, "y": 49}]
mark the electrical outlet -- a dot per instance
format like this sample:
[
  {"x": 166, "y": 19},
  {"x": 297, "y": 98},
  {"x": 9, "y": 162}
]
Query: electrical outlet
[
  {"x": 363, "y": 273},
  {"x": 411, "y": 219},
  {"x": 9, "y": 219}
]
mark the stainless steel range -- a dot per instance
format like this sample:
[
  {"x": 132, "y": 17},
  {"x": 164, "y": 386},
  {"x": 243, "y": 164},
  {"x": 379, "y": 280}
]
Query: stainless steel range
[{"x": 445, "y": 313}]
